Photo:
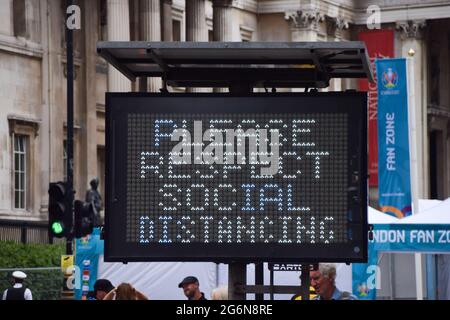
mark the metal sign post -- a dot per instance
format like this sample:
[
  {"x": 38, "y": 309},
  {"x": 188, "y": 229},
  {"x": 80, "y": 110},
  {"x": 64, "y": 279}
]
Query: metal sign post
[
  {"x": 237, "y": 277},
  {"x": 68, "y": 293},
  {"x": 305, "y": 282}
]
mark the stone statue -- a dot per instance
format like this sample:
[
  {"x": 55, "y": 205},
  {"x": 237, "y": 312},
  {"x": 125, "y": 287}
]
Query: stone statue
[{"x": 92, "y": 195}]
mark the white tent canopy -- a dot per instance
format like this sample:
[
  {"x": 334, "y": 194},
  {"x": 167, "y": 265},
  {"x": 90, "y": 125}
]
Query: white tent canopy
[
  {"x": 430, "y": 212},
  {"x": 436, "y": 214},
  {"x": 425, "y": 204},
  {"x": 159, "y": 280},
  {"x": 378, "y": 217}
]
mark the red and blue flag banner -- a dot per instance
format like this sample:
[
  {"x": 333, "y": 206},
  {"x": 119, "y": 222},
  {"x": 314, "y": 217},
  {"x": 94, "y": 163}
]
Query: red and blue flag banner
[{"x": 380, "y": 45}]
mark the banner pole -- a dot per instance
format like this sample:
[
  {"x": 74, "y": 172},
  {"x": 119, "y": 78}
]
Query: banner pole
[{"x": 414, "y": 166}]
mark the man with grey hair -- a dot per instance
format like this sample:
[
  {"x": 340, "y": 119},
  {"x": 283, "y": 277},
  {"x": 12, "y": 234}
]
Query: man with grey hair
[{"x": 323, "y": 282}]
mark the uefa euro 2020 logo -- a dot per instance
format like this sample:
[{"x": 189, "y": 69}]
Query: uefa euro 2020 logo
[{"x": 389, "y": 78}]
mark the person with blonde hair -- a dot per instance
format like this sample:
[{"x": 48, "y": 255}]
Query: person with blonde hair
[
  {"x": 220, "y": 293},
  {"x": 125, "y": 291}
]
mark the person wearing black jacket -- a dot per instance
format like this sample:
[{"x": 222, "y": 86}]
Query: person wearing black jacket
[
  {"x": 191, "y": 288},
  {"x": 18, "y": 291}
]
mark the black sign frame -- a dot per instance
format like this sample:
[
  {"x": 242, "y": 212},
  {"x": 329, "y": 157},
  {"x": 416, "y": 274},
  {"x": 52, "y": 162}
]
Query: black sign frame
[{"x": 119, "y": 104}]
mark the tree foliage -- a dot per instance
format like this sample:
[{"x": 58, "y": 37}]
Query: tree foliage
[{"x": 44, "y": 284}]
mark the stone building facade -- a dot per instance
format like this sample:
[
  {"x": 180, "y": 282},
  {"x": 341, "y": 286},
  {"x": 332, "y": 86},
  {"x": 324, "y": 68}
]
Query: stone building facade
[{"x": 33, "y": 83}]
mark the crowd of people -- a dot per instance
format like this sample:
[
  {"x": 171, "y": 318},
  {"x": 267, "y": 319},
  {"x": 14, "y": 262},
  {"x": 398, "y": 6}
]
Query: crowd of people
[{"x": 323, "y": 283}]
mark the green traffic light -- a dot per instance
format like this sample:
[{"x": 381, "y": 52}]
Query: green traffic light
[{"x": 57, "y": 227}]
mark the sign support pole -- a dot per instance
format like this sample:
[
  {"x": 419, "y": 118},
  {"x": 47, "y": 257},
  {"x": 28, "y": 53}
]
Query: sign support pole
[
  {"x": 68, "y": 293},
  {"x": 305, "y": 282},
  {"x": 414, "y": 169},
  {"x": 237, "y": 276},
  {"x": 271, "y": 283},
  {"x": 259, "y": 278}
]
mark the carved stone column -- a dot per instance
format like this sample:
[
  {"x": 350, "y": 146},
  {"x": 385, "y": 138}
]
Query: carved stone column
[
  {"x": 413, "y": 45},
  {"x": 222, "y": 24},
  {"x": 222, "y": 20},
  {"x": 150, "y": 30},
  {"x": 196, "y": 29},
  {"x": 118, "y": 28},
  {"x": 167, "y": 27}
]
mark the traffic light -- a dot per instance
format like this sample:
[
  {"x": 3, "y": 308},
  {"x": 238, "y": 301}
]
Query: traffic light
[
  {"x": 59, "y": 217},
  {"x": 84, "y": 218}
]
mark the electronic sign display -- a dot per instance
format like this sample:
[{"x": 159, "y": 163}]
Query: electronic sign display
[{"x": 217, "y": 177}]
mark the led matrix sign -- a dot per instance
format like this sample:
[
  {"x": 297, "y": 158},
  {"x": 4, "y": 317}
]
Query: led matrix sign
[{"x": 254, "y": 178}]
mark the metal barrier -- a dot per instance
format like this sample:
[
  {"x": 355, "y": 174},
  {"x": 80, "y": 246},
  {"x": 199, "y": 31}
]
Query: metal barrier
[{"x": 45, "y": 283}]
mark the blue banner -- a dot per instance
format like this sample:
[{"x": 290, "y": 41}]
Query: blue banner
[
  {"x": 87, "y": 252},
  {"x": 411, "y": 238},
  {"x": 364, "y": 276},
  {"x": 429, "y": 238},
  {"x": 393, "y": 139}
]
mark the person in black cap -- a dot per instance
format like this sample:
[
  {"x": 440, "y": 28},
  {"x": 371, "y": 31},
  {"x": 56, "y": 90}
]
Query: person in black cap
[
  {"x": 101, "y": 288},
  {"x": 191, "y": 288}
]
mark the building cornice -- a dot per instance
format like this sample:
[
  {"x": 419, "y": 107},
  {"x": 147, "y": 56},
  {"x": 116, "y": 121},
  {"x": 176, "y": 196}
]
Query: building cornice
[
  {"x": 246, "y": 5},
  {"x": 358, "y": 15},
  {"x": 277, "y": 6},
  {"x": 280, "y": 6},
  {"x": 20, "y": 46},
  {"x": 422, "y": 11},
  {"x": 354, "y": 13}
]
